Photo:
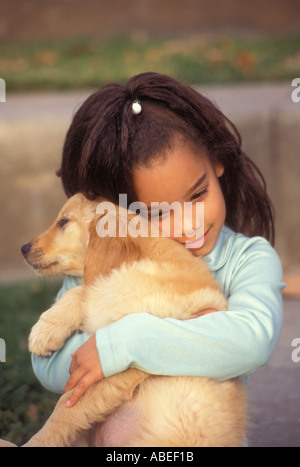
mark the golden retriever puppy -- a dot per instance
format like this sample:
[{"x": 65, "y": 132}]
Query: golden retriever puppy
[{"x": 125, "y": 275}]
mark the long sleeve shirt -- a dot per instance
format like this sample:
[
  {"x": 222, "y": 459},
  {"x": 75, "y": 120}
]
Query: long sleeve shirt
[{"x": 219, "y": 345}]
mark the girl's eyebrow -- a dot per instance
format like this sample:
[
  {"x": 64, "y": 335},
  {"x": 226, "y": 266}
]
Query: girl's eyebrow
[{"x": 199, "y": 182}]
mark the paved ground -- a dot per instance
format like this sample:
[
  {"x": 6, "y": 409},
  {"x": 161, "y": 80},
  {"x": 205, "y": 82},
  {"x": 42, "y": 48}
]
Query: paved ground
[{"x": 274, "y": 391}]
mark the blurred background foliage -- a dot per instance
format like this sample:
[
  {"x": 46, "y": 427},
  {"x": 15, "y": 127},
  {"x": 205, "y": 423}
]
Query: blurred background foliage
[
  {"x": 93, "y": 62},
  {"x": 24, "y": 403}
]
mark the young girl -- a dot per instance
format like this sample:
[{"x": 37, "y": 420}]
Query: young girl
[{"x": 156, "y": 139}]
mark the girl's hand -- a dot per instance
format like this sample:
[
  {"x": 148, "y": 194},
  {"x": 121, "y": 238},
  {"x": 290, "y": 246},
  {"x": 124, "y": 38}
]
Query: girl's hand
[{"x": 85, "y": 370}]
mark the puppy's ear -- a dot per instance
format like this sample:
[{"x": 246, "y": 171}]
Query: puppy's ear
[{"x": 105, "y": 254}]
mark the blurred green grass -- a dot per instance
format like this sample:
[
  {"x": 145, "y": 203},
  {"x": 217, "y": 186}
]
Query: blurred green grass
[
  {"x": 24, "y": 403},
  {"x": 90, "y": 62}
]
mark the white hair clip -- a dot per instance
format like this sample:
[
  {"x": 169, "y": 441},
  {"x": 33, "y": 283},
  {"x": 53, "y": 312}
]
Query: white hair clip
[{"x": 136, "y": 107}]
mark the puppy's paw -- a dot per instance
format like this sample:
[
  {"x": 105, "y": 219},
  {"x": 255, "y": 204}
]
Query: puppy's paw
[{"x": 45, "y": 339}]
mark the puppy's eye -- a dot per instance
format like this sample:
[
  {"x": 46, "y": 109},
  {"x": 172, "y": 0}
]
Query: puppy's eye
[{"x": 63, "y": 221}]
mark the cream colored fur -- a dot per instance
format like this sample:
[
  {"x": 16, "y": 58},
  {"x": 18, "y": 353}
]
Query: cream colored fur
[{"x": 125, "y": 276}]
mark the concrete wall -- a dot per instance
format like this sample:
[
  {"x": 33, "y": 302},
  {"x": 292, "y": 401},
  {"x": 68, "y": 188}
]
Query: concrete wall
[
  {"x": 269, "y": 122},
  {"x": 32, "y": 130}
]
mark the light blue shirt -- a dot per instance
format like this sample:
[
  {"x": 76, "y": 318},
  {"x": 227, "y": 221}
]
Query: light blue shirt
[{"x": 220, "y": 345}]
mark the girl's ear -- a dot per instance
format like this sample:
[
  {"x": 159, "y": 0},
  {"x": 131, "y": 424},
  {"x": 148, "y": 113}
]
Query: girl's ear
[
  {"x": 105, "y": 254},
  {"x": 219, "y": 169}
]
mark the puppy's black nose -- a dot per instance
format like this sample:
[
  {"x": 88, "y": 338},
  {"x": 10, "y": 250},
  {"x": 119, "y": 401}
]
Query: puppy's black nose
[{"x": 26, "y": 248}]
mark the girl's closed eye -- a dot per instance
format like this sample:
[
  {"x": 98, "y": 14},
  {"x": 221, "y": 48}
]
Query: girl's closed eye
[{"x": 199, "y": 194}]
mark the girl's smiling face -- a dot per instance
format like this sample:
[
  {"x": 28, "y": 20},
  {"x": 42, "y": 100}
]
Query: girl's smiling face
[{"x": 185, "y": 176}]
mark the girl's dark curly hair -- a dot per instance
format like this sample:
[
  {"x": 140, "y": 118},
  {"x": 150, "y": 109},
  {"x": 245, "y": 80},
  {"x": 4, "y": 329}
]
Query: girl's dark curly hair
[{"x": 106, "y": 141}]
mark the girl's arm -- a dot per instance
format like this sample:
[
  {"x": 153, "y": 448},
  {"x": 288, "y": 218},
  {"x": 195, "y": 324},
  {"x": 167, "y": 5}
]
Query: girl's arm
[
  {"x": 53, "y": 372},
  {"x": 219, "y": 345}
]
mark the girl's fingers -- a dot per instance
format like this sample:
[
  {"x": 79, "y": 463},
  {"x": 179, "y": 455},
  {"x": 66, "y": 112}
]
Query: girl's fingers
[
  {"x": 74, "y": 379},
  {"x": 79, "y": 390}
]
